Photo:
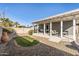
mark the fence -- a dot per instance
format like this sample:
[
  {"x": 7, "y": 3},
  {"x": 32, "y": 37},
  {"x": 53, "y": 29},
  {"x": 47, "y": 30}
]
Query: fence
[{"x": 22, "y": 31}]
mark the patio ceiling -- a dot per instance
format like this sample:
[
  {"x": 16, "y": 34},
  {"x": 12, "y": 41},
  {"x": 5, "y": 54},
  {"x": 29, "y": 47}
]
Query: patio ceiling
[{"x": 64, "y": 16}]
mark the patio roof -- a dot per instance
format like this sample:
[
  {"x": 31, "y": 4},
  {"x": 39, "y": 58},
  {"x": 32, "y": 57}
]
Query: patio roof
[{"x": 63, "y": 16}]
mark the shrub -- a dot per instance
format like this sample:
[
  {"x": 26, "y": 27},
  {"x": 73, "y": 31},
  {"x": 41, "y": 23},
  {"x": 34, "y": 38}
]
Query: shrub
[
  {"x": 9, "y": 30},
  {"x": 30, "y": 32}
]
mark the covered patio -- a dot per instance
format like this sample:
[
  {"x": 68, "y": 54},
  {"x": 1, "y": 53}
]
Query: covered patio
[{"x": 59, "y": 27}]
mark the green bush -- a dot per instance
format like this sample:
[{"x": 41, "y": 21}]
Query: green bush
[
  {"x": 30, "y": 32},
  {"x": 9, "y": 30}
]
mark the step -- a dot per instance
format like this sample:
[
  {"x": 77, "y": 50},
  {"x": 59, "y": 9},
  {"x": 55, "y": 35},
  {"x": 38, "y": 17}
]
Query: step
[{"x": 55, "y": 39}]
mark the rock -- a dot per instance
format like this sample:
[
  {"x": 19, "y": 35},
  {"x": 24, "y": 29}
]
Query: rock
[
  {"x": 6, "y": 47},
  {"x": 5, "y": 37}
]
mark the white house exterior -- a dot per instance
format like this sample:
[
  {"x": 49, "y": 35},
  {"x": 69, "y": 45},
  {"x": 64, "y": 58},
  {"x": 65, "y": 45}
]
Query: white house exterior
[{"x": 61, "y": 27}]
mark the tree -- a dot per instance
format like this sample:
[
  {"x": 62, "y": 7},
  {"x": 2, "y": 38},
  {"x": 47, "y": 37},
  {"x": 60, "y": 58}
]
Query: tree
[
  {"x": 17, "y": 24},
  {"x": 6, "y": 22}
]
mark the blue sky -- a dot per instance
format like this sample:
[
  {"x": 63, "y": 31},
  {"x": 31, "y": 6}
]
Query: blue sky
[{"x": 27, "y": 13}]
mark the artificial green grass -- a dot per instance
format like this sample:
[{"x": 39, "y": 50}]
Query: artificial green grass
[{"x": 25, "y": 41}]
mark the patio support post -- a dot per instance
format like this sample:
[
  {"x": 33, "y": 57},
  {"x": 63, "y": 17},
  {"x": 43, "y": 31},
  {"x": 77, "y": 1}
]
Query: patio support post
[
  {"x": 37, "y": 28},
  {"x": 50, "y": 28},
  {"x": 61, "y": 23},
  {"x": 44, "y": 28},
  {"x": 74, "y": 29},
  {"x": 33, "y": 28}
]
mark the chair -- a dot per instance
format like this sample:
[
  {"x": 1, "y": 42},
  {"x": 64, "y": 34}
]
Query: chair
[
  {"x": 65, "y": 33},
  {"x": 54, "y": 32}
]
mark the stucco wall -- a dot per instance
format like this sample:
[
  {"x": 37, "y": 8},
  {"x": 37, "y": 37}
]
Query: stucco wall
[{"x": 68, "y": 26}]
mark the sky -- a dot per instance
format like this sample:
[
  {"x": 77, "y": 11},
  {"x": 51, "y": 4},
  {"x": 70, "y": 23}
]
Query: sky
[{"x": 26, "y": 13}]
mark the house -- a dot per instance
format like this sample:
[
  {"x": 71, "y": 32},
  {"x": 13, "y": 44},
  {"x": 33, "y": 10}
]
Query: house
[{"x": 61, "y": 27}]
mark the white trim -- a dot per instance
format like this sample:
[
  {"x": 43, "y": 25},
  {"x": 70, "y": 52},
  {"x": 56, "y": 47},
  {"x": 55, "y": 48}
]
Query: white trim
[
  {"x": 33, "y": 28},
  {"x": 50, "y": 28},
  {"x": 44, "y": 28},
  {"x": 61, "y": 14},
  {"x": 61, "y": 28},
  {"x": 74, "y": 29},
  {"x": 37, "y": 28}
]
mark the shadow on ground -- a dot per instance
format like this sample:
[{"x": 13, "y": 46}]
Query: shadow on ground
[{"x": 73, "y": 46}]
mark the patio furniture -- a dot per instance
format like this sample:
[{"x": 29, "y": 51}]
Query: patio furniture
[
  {"x": 47, "y": 30},
  {"x": 40, "y": 30},
  {"x": 65, "y": 33},
  {"x": 54, "y": 32}
]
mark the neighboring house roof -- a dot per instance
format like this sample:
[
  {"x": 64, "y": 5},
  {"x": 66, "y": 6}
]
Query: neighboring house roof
[{"x": 53, "y": 18}]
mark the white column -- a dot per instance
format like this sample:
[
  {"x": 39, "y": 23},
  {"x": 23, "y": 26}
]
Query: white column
[
  {"x": 37, "y": 28},
  {"x": 33, "y": 28},
  {"x": 50, "y": 28},
  {"x": 44, "y": 28},
  {"x": 74, "y": 29},
  {"x": 61, "y": 24}
]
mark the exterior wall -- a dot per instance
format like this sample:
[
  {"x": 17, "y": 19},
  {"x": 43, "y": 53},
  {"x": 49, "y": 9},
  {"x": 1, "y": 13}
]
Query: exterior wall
[
  {"x": 41, "y": 28},
  {"x": 77, "y": 21},
  {"x": 68, "y": 26},
  {"x": 56, "y": 26},
  {"x": 77, "y": 27},
  {"x": 22, "y": 31}
]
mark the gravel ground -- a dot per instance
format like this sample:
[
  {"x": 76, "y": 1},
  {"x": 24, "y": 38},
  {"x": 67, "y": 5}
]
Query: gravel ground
[
  {"x": 37, "y": 50},
  {"x": 44, "y": 48}
]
